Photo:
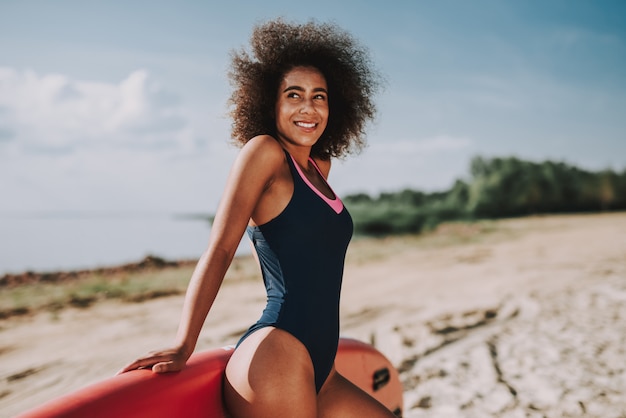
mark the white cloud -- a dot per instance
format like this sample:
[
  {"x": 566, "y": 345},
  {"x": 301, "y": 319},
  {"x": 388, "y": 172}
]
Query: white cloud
[
  {"x": 115, "y": 180},
  {"x": 441, "y": 143},
  {"x": 572, "y": 37},
  {"x": 87, "y": 145},
  {"x": 426, "y": 164},
  {"x": 52, "y": 112},
  {"x": 392, "y": 151}
]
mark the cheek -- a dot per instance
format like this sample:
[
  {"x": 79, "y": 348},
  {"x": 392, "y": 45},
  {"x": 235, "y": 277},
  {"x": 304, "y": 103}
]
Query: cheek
[
  {"x": 282, "y": 118},
  {"x": 283, "y": 121},
  {"x": 279, "y": 113},
  {"x": 325, "y": 112}
]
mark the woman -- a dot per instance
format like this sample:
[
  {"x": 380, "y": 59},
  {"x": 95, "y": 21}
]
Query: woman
[{"x": 302, "y": 97}]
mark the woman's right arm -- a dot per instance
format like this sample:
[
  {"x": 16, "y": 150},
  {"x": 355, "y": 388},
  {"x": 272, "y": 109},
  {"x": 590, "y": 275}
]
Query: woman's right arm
[{"x": 252, "y": 173}]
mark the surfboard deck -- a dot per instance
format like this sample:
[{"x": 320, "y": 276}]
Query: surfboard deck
[{"x": 196, "y": 391}]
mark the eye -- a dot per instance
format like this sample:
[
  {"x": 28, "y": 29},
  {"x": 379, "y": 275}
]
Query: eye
[
  {"x": 319, "y": 97},
  {"x": 293, "y": 95}
]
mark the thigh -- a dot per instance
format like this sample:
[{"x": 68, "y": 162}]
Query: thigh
[
  {"x": 341, "y": 398},
  {"x": 270, "y": 374}
]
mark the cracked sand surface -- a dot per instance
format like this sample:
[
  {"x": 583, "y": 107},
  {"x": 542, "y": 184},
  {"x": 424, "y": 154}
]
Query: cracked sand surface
[{"x": 529, "y": 323}]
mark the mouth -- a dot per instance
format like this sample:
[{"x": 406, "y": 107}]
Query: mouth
[{"x": 306, "y": 125}]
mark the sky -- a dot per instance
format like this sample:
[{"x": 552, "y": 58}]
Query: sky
[{"x": 121, "y": 106}]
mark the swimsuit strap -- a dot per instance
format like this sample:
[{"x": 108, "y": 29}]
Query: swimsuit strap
[{"x": 336, "y": 204}]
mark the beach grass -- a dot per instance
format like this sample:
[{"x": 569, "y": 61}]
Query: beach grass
[
  {"x": 364, "y": 249},
  {"x": 83, "y": 292},
  {"x": 137, "y": 286}
]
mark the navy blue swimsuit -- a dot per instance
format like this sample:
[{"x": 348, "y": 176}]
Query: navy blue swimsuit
[{"x": 301, "y": 253}]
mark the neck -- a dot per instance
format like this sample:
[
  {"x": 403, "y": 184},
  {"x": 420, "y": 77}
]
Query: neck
[{"x": 300, "y": 153}]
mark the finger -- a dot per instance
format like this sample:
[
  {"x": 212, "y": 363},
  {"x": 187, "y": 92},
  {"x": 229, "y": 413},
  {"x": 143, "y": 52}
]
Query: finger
[
  {"x": 141, "y": 363},
  {"x": 175, "y": 365},
  {"x": 132, "y": 366},
  {"x": 165, "y": 367}
]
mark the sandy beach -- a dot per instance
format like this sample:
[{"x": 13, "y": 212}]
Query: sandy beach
[{"x": 528, "y": 320}]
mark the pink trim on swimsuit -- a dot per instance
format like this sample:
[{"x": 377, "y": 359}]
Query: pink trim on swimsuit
[{"x": 336, "y": 204}]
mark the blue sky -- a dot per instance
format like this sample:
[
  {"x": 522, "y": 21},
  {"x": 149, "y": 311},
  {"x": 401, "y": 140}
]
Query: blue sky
[{"x": 121, "y": 106}]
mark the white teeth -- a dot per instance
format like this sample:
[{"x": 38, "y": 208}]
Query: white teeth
[{"x": 305, "y": 125}]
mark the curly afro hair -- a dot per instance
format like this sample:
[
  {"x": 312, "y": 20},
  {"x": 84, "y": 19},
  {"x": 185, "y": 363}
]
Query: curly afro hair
[{"x": 276, "y": 48}]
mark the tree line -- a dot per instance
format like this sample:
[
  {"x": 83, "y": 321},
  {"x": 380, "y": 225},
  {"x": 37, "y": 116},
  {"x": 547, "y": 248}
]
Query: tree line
[{"x": 497, "y": 188}]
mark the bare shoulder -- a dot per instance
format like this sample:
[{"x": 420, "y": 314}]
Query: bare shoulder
[{"x": 263, "y": 150}]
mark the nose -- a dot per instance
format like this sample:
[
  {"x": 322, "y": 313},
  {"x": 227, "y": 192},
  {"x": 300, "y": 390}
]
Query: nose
[{"x": 307, "y": 106}]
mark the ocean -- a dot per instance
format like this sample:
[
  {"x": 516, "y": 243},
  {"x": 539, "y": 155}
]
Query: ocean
[{"x": 67, "y": 241}]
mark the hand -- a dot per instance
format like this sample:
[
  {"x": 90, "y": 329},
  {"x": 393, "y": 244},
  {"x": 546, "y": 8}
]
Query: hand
[{"x": 162, "y": 361}]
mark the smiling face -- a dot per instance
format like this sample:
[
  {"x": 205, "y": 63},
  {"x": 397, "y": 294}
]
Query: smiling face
[{"x": 301, "y": 107}]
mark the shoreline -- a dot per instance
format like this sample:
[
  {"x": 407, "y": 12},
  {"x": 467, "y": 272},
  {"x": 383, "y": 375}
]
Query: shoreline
[
  {"x": 150, "y": 262},
  {"x": 520, "y": 317}
]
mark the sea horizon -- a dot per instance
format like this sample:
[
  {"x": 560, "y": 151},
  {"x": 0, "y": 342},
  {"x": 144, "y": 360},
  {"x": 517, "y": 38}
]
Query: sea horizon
[{"x": 49, "y": 241}]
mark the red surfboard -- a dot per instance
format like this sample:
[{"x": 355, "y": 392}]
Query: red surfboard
[{"x": 196, "y": 391}]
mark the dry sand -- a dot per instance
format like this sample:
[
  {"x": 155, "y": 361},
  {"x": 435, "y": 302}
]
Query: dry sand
[{"x": 529, "y": 321}]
